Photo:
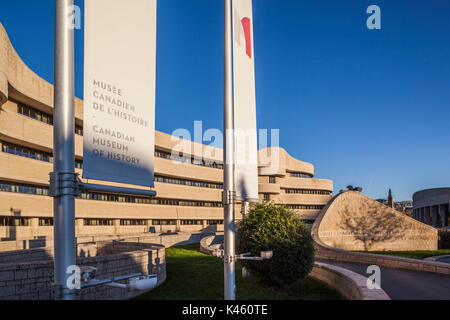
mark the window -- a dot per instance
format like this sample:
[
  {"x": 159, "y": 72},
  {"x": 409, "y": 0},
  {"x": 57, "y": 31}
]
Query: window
[
  {"x": 191, "y": 222},
  {"x": 214, "y": 222},
  {"x": 190, "y": 160},
  {"x": 272, "y": 180},
  {"x": 305, "y": 206},
  {"x": 164, "y": 222},
  {"x": 14, "y": 222},
  {"x": 98, "y": 222},
  {"x": 190, "y": 183},
  {"x": 26, "y": 152},
  {"x": 266, "y": 197},
  {"x": 78, "y": 164},
  {"x": 45, "y": 222},
  {"x": 307, "y": 191},
  {"x": 79, "y": 130},
  {"x": 6, "y": 186},
  {"x": 41, "y": 116},
  {"x": 34, "y": 113},
  {"x": 132, "y": 222},
  {"x": 301, "y": 175}
]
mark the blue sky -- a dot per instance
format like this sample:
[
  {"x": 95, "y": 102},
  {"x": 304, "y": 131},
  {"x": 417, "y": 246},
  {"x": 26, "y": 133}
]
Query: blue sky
[{"x": 367, "y": 107}]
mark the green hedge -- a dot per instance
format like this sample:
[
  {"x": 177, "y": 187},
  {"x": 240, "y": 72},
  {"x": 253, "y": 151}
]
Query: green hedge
[{"x": 270, "y": 227}]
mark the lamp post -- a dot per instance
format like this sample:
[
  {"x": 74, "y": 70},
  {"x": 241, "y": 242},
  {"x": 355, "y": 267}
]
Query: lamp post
[
  {"x": 63, "y": 179},
  {"x": 228, "y": 159}
]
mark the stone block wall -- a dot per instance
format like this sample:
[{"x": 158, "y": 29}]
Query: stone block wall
[
  {"x": 325, "y": 251},
  {"x": 352, "y": 221},
  {"x": 167, "y": 240},
  {"x": 32, "y": 280},
  {"x": 350, "y": 285}
]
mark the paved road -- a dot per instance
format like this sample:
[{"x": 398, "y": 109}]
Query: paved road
[{"x": 402, "y": 284}]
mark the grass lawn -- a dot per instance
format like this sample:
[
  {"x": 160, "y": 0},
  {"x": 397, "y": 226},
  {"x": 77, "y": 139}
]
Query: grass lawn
[
  {"x": 416, "y": 254},
  {"x": 193, "y": 275}
]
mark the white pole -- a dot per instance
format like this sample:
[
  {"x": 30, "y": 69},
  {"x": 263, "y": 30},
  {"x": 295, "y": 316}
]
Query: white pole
[
  {"x": 64, "y": 174},
  {"x": 228, "y": 156}
]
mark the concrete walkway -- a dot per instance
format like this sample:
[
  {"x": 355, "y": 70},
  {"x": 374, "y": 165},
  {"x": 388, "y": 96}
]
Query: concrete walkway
[
  {"x": 402, "y": 284},
  {"x": 443, "y": 259}
]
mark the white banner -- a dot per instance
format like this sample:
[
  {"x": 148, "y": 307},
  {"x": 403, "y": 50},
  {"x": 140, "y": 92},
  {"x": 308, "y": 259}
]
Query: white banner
[
  {"x": 246, "y": 167},
  {"x": 119, "y": 91}
]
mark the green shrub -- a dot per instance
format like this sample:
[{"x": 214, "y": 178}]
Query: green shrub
[{"x": 270, "y": 227}]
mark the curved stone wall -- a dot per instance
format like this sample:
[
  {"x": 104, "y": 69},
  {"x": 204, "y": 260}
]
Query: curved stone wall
[
  {"x": 352, "y": 221},
  {"x": 349, "y": 284},
  {"x": 327, "y": 252}
]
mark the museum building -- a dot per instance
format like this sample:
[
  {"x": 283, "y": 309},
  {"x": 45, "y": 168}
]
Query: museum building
[{"x": 189, "y": 192}]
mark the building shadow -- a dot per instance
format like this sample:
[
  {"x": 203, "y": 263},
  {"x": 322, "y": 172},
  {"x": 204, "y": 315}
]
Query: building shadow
[{"x": 12, "y": 229}]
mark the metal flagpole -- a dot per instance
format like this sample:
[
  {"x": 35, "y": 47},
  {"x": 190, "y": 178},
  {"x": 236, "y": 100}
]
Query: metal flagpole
[
  {"x": 63, "y": 179},
  {"x": 228, "y": 157}
]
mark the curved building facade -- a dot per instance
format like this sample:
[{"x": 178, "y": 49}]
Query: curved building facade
[
  {"x": 188, "y": 194},
  {"x": 431, "y": 206},
  {"x": 289, "y": 181}
]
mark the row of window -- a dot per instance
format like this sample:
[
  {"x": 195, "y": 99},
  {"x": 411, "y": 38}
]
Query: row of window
[
  {"x": 98, "y": 222},
  {"x": 47, "y": 222},
  {"x": 132, "y": 222},
  {"x": 32, "y": 153},
  {"x": 192, "y": 160},
  {"x": 190, "y": 183},
  {"x": 34, "y": 113},
  {"x": 41, "y": 116},
  {"x": 142, "y": 200},
  {"x": 300, "y": 175},
  {"x": 164, "y": 222},
  {"x": 23, "y": 188},
  {"x": 44, "y": 191},
  {"x": 191, "y": 222},
  {"x": 13, "y": 222},
  {"x": 31, "y": 189},
  {"x": 305, "y": 206},
  {"x": 48, "y": 157},
  {"x": 26, "y": 152},
  {"x": 307, "y": 191},
  {"x": 48, "y": 119}
]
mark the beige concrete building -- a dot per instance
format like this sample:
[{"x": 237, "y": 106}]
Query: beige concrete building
[
  {"x": 188, "y": 194},
  {"x": 431, "y": 206}
]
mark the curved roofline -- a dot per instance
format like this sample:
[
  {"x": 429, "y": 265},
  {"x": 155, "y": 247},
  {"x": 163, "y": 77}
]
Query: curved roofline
[{"x": 432, "y": 189}]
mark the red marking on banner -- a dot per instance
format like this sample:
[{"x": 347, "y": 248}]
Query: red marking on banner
[{"x": 248, "y": 35}]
